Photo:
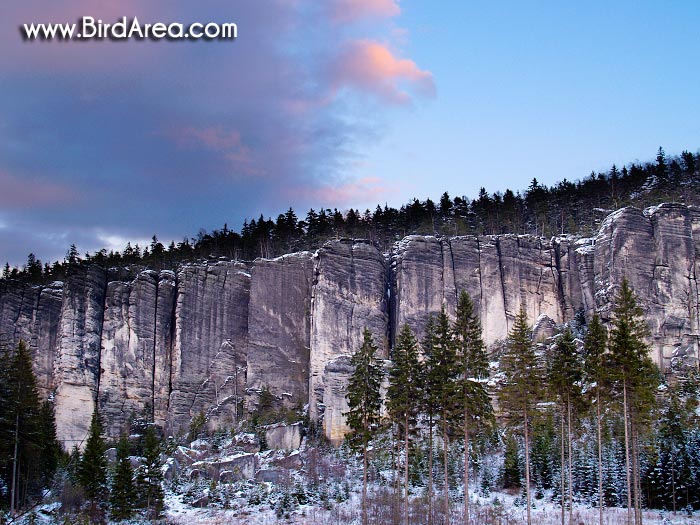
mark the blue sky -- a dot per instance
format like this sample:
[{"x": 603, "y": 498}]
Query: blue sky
[{"x": 334, "y": 104}]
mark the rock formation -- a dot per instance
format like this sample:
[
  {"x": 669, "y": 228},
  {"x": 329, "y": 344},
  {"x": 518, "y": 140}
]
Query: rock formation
[{"x": 207, "y": 339}]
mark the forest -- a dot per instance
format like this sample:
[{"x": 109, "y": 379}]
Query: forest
[
  {"x": 580, "y": 420},
  {"x": 564, "y": 208}
]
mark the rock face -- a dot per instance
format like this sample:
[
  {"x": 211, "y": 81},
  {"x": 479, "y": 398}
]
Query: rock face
[
  {"x": 207, "y": 339},
  {"x": 283, "y": 437},
  {"x": 349, "y": 295},
  {"x": 209, "y": 348},
  {"x": 279, "y": 327}
]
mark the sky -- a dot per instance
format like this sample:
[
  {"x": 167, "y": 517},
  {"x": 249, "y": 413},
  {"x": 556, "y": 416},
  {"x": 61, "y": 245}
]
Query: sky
[{"x": 332, "y": 103}]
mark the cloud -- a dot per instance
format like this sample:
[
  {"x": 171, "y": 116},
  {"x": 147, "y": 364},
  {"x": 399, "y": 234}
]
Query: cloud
[
  {"x": 352, "y": 192},
  {"x": 343, "y": 11},
  {"x": 106, "y": 141},
  {"x": 371, "y": 67},
  {"x": 19, "y": 193}
]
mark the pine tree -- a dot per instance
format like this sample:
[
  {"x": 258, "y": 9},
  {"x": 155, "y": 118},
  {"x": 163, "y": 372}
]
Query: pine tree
[
  {"x": 364, "y": 402},
  {"x": 92, "y": 469},
  {"x": 596, "y": 373},
  {"x": 149, "y": 480},
  {"x": 123, "y": 492},
  {"x": 636, "y": 377},
  {"x": 474, "y": 368},
  {"x": 521, "y": 386},
  {"x": 403, "y": 394},
  {"x": 564, "y": 377}
]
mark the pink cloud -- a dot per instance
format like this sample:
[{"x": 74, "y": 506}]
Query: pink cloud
[
  {"x": 349, "y": 10},
  {"x": 367, "y": 189},
  {"x": 228, "y": 143},
  {"x": 19, "y": 193},
  {"x": 214, "y": 138},
  {"x": 371, "y": 67}
]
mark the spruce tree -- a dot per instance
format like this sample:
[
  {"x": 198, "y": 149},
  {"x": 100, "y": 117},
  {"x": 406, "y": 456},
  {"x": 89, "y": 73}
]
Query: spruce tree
[
  {"x": 92, "y": 469},
  {"x": 403, "y": 394},
  {"x": 446, "y": 391},
  {"x": 20, "y": 427},
  {"x": 364, "y": 402},
  {"x": 564, "y": 378},
  {"x": 474, "y": 369},
  {"x": 521, "y": 387},
  {"x": 428, "y": 400},
  {"x": 48, "y": 444},
  {"x": 595, "y": 372},
  {"x": 122, "y": 496},
  {"x": 149, "y": 480},
  {"x": 636, "y": 378}
]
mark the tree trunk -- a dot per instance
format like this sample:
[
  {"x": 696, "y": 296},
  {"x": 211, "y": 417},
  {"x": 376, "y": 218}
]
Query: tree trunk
[
  {"x": 637, "y": 477},
  {"x": 627, "y": 453},
  {"x": 600, "y": 457},
  {"x": 430, "y": 470},
  {"x": 571, "y": 459},
  {"x": 445, "y": 448},
  {"x": 405, "y": 473},
  {"x": 563, "y": 466},
  {"x": 527, "y": 465},
  {"x": 364, "y": 484},
  {"x": 466, "y": 466},
  {"x": 13, "y": 494}
]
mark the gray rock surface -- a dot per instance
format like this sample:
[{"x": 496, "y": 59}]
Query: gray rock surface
[
  {"x": 283, "y": 437},
  {"x": 349, "y": 295},
  {"x": 279, "y": 327},
  {"x": 77, "y": 359},
  {"x": 209, "y": 347},
  {"x": 209, "y": 338}
]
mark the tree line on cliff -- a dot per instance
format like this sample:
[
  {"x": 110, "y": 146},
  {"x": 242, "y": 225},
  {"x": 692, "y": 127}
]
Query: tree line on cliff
[
  {"x": 566, "y": 207},
  {"x": 585, "y": 417}
]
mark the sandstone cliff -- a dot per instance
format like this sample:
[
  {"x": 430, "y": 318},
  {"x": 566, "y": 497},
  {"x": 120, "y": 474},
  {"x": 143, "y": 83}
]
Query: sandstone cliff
[{"x": 208, "y": 338}]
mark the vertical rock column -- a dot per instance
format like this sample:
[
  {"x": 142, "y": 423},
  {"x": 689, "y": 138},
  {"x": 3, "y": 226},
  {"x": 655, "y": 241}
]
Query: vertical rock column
[
  {"x": 673, "y": 295},
  {"x": 279, "y": 326},
  {"x": 127, "y": 361},
  {"x": 211, "y": 325},
  {"x": 77, "y": 363},
  {"x": 349, "y": 295}
]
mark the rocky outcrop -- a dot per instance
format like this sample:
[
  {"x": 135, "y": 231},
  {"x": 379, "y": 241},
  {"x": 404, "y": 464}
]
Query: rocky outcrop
[
  {"x": 658, "y": 251},
  {"x": 279, "y": 328},
  {"x": 349, "y": 295},
  {"x": 207, "y": 339},
  {"x": 77, "y": 359},
  {"x": 283, "y": 437},
  {"x": 500, "y": 273},
  {"x": 209, "y": 348},
  {"x": 336, "y": 377}
]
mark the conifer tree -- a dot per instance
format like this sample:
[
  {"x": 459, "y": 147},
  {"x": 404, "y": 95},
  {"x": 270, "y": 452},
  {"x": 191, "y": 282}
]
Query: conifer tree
[
  {"x": 403, "y": 394},
  {"x": 20, "y": 427},
  {"x": 521, "y": 386},
  {"x": 149, "y": 480},
  {"x": 445, "y": 390},
  {"x": 123, "y": 493},
  {"x": 474, "y": 368},
  {"x": 636, "y": 378},
  {"x": 364, "y": 402},
  {"x": 564, "y": 377},
  {"x": 50, "y": 450},
  {"x": 596, "y": 373},
  {"x": 428, "y": 389},
  {"x": 92, "y": 469}
]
